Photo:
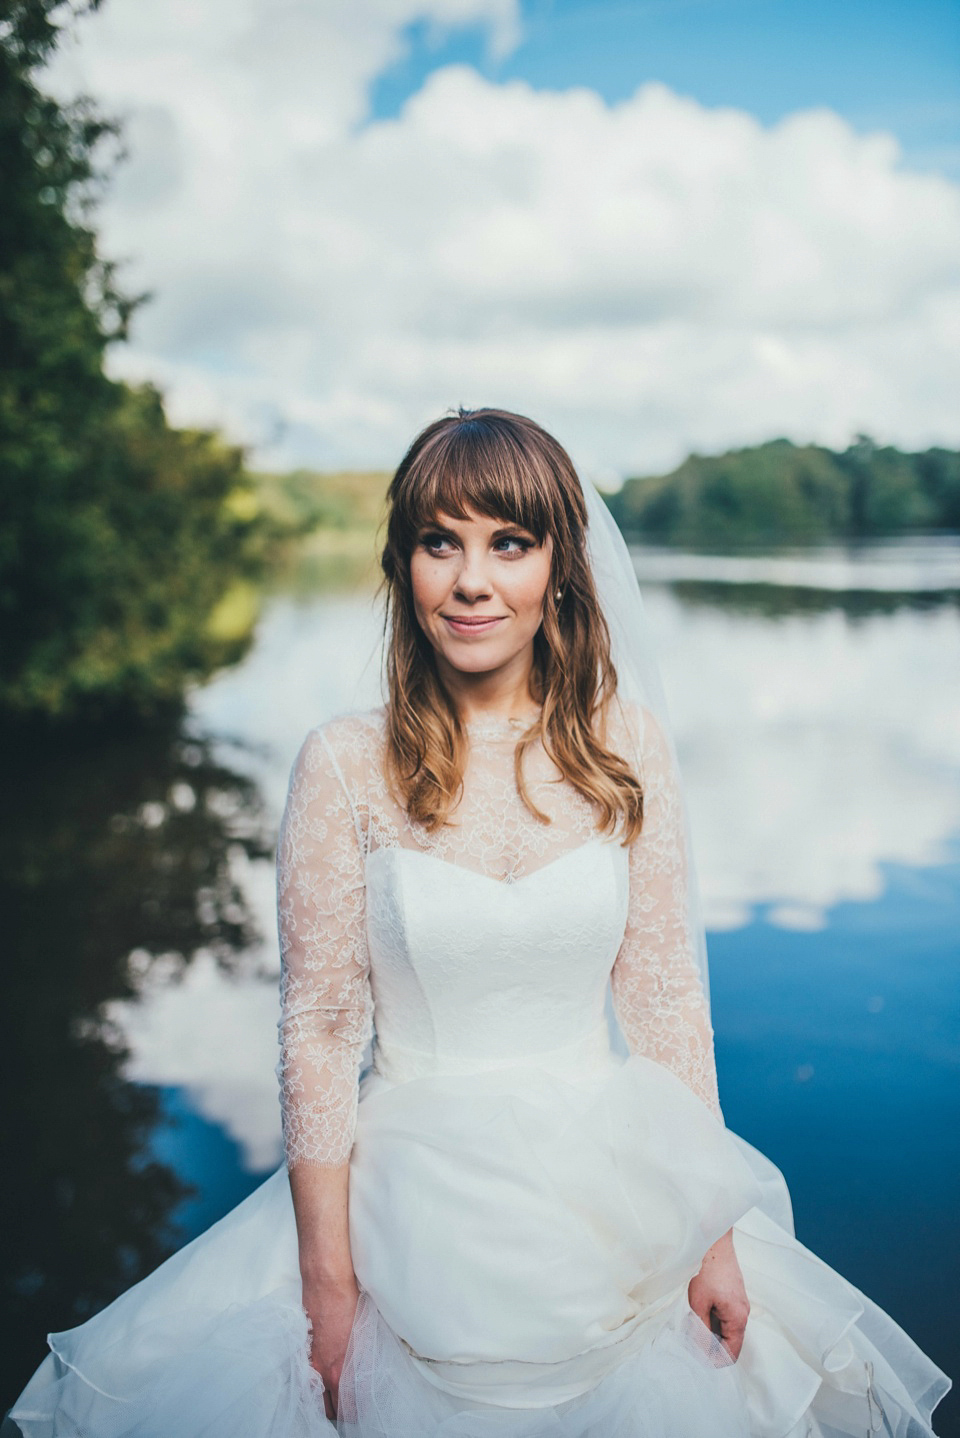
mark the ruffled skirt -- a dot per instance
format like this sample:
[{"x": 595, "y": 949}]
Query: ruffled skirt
[{"x": 523, "y": 1246}]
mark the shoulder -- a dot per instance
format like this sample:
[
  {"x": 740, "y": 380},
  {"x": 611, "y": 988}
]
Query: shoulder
[
  {"x": 630, "y": 728},
  {"x": 351, "y": 737},
  {"x": 343, "y": 750},
  {"x": 642, "y": 739}
]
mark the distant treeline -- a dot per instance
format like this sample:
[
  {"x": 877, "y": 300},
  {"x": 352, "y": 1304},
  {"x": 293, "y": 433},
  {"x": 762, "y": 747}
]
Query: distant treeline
[{"x": 782, "y": 493}]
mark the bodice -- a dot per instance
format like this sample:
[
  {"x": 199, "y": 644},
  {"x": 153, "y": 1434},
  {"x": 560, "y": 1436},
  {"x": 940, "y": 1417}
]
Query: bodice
[
  {"x": 470, "y": 973},
  {"x": 485, "y": 942}
]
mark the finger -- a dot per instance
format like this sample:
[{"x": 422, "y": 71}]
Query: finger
[
  {"x": 731, "y": 1331},
  {"x": 733, "y": 1345}
]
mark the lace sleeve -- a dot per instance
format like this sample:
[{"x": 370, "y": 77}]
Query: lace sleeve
[
  {"x": 325, "y": 999},
  {"x": 657, "y": 993}
]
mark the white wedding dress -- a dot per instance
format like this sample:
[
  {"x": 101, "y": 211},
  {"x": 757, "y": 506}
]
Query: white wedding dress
[{"x": 527, "y": 1204}]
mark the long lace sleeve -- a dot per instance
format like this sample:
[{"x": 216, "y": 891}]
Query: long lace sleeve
[
  {"x": 325, "y": 998},
  {"x": 657, "y": 992}
]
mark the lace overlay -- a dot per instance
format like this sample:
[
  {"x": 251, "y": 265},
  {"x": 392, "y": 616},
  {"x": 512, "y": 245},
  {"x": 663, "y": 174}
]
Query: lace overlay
[
  {"x": 657, "y": 993},
  {"x": 325, "y": 1001},
  {"x": 339, "y": 813}
]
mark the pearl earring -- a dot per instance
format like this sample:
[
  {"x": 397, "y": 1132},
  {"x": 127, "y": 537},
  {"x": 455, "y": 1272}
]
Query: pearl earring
[{"x": 559, "y": 595}]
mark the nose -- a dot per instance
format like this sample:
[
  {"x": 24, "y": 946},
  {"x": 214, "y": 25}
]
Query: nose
[{"x": 473, "y": 580}]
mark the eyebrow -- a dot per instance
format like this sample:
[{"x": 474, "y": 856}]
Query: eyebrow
[
  {"x": 435, "y": 527},
  {"x": 432, "y": 526}
]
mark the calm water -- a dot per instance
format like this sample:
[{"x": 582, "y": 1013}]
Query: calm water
[{"x": 816, "y": 700}]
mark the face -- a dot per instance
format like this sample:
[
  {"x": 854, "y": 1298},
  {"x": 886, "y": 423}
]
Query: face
[{"x": 479, "y": 586}]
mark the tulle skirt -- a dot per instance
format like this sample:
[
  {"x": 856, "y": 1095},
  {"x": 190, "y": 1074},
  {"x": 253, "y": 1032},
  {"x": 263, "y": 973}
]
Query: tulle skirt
[{"x": 523, "y": 1246}]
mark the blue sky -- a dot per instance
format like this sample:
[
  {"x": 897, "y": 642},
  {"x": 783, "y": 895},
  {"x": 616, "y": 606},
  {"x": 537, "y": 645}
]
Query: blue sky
[{"x": 882, "y": 65}]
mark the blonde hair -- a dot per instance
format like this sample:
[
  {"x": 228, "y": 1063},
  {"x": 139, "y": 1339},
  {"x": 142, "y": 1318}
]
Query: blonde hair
[{"x": 507, "y": 467}]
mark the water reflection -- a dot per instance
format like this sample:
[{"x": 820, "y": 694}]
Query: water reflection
[
  {"x": 118, "y": 862},
  {"x": 904, "y": 566},
  {"x": 817, "y": 728},
  {"x": 773, "y": 601},
  {"x": 817, "y": 749},
  {"x": 919, "y": 573}
]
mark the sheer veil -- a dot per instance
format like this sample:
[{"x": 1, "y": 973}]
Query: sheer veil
[
  {"x": 638, "y": 674},
  {"x": 634, "y": 655}
]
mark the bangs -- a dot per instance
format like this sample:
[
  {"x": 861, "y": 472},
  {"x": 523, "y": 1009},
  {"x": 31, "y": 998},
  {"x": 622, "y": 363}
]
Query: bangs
[{"x": 477, "y": 466}]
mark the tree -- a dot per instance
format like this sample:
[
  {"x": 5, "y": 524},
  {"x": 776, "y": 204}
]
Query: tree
[
  {"x": 781, "y": 493},
  {"x": 119, "y": 534}
]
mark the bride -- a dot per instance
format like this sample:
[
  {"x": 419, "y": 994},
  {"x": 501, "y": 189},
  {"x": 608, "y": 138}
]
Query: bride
[{"x": 525, "y": 1216}]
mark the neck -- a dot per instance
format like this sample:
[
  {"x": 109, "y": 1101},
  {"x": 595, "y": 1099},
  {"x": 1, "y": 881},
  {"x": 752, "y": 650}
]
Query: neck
[{"x": 504, "y": 693}]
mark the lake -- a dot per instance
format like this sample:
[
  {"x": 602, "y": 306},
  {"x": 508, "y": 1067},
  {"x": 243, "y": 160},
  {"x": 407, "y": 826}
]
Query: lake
[{"x": 816, "y": 702}]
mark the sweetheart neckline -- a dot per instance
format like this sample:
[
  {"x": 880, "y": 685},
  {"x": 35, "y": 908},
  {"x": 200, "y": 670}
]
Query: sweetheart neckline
[{"x": 595, "y": 842}]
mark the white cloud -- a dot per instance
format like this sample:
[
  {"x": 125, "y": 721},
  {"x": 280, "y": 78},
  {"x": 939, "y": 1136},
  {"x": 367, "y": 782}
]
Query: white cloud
[{"x": 646, "y": 278}]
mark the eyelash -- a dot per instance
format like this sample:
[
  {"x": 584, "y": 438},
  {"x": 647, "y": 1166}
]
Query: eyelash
[{"x": 432, "y": 542}]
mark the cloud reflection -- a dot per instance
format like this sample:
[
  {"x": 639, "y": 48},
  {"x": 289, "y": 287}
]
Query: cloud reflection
[{"x": 816, "y": 747}]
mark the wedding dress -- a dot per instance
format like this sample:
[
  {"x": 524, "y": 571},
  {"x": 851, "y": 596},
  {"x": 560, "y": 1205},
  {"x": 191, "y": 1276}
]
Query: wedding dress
[{"x": 528, "y": 1201}]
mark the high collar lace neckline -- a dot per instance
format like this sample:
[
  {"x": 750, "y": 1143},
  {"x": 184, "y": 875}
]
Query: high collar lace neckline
[{"x": 497, "y": 726}]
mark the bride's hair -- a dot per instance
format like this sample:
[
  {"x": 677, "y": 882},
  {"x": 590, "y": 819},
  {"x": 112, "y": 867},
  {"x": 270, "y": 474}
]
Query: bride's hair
[{"x": 505, "y": 466}]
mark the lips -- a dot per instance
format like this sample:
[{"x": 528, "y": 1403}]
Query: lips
[{"x": 472, "y": 624}]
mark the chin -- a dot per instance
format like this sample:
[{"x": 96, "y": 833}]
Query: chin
[
  {"x": 475, "y": 657},
  {"x": 477, "y": 663}
]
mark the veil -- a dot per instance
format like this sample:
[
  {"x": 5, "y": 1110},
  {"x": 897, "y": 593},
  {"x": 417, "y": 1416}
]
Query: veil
[{"x": 638, "y": 675}]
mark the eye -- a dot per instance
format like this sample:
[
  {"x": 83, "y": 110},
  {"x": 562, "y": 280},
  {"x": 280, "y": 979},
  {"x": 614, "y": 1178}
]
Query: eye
[
  {"x": 512, "y": 544},
  {"x": 435, "y": 542}
]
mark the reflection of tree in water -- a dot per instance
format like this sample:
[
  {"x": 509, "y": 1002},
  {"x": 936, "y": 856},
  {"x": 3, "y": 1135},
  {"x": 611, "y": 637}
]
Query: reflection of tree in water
[
  {"x": 115, "y": 854},
  {"x": 776, "y": 601}
]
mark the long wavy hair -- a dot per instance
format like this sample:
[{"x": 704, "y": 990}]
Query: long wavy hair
[{"x": 504, "y": 466}]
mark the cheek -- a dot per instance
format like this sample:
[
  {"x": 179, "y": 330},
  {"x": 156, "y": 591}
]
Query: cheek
[
  {"x": 527, "y": 588},
  {"x": 428, "y": 584}
]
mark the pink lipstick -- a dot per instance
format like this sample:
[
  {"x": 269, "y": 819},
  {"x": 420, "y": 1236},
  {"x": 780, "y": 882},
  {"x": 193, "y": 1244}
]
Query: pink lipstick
[{"x": 471, "y": 624}]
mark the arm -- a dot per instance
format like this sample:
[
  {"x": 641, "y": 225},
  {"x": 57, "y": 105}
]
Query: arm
[
  {"x": 660, "y": 1003},
  {"x": 325, "y": 1022},
  {"x": 657, "y": 992}
]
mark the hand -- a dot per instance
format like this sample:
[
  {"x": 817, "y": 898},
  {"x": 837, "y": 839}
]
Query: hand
[
  {"x": 331, "y": 1309},
  {"x": 718, "y": 1297}
]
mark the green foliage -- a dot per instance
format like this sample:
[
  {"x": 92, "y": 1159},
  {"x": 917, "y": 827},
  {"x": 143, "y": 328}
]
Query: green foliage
[
  {"x": 781, "y": 493},
  {"x": 304, "y": 500},
  {"x": 321, "y": 529},
  {"x": 119, "y": 535}
]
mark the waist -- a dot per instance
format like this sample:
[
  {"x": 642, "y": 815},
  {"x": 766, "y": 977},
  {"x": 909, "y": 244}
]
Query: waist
[{"x": 583, "y": 1059}]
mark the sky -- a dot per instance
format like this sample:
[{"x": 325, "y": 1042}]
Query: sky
[{"x": 684, "y": 225}]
